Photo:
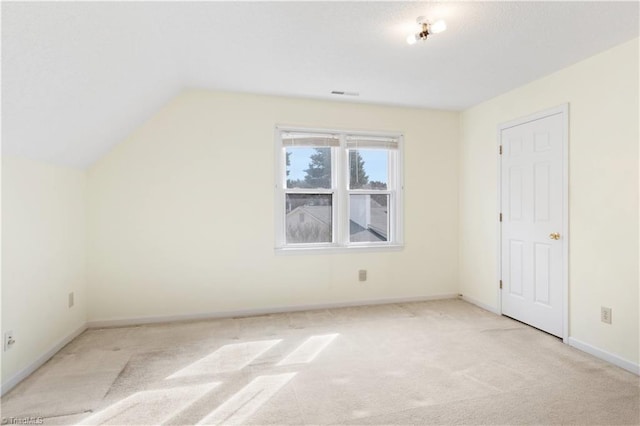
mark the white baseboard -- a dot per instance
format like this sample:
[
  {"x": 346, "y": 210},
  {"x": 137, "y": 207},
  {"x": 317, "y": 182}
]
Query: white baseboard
[
  {"x": 123, "y": 322},
  {"x": 571, "y": 341},
  {"x": 25, "y": 372},
  {"x": 480, "y": 304},
  {"x": 604, "y": 355}
]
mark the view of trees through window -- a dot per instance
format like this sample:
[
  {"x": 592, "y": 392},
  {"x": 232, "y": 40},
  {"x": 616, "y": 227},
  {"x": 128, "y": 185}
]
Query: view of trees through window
[
  {"x": 317, "y": 174},
  {"x": 309, "y": 215},
  {"x": 318, "y": 171}
]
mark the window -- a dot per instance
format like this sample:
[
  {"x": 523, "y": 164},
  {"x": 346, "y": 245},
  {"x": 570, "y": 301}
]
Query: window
[{"x": 337, "y": 190}]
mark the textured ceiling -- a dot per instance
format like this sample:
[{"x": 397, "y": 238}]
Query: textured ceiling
[{"x": 77, "y": 77}]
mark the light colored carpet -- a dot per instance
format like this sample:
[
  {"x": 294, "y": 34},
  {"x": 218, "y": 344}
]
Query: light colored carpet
[{"x": 439, "y": 362}]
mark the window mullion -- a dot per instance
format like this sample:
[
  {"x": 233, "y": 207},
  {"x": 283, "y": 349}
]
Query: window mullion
[
  {"x": 280, "y": 171},
  {"x": 308, "y": 191},
  {"x": 341, "y": 209},
  {"x": 369, "y": 191}
]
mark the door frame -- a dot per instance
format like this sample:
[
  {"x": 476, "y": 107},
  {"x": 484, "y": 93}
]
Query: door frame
[{"x": 564, "y": 110}]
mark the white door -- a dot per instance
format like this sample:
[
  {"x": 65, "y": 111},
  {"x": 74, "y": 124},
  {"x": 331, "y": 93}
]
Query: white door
[{"x": 533, "y": 239}]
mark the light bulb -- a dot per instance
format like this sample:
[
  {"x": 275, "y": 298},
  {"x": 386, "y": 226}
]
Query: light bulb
[
  {"x": 437, "y": 27},
  {"x": 412, "y": 39}
]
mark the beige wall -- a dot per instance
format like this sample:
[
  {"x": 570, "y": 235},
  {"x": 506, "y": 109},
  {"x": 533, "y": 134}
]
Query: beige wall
[
  {"x": 181, "y": 214},
  {"x": 43, "y": 258},
  {"x": 602, "y": 93}
]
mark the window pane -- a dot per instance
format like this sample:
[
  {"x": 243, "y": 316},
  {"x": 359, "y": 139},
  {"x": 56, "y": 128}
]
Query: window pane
[
  {"x": 308, "y": 167},
  {"x": 308, "y": 218},
  {"x": 368, "y": 168},
  {"x": 368, "y": 218}
]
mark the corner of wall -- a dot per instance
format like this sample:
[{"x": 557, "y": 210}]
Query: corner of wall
[{"x": 43, "y": 261}]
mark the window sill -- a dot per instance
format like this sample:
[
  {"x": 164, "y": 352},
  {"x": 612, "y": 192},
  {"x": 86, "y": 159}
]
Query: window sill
[{"x": 334, "y": 250}]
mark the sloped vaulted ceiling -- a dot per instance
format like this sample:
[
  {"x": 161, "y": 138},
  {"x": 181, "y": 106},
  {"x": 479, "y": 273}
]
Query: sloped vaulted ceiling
[{"x": 77, "y": 77}]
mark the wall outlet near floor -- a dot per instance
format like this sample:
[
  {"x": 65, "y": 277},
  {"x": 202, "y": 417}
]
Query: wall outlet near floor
[
  {"x": 8, "y": 341},
  {"x": 71, "y": 301},
  {"x": 362, "y": 275},
  {"x": 605, "y": 315}
]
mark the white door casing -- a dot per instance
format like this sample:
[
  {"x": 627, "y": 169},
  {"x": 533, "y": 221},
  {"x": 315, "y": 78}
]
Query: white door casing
[{"x": 534, "y": 225}]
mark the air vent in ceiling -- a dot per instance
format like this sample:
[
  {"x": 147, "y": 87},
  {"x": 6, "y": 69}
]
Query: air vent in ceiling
[{"x": 342, "y": 93}]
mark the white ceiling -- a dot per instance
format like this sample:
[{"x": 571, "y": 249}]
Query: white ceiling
[{"x": 78, "y": 77}]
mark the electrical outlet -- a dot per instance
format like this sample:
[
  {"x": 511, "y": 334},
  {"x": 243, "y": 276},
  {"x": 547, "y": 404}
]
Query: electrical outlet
[
  {"x": 362, "y": 275},
  {"x": 605, "y": 315},
  {"x": 71, "y": 301},
  {"x": 8, "y": 340}
]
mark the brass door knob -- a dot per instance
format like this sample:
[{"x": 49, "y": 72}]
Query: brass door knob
[{"x": 554, "y": 236}]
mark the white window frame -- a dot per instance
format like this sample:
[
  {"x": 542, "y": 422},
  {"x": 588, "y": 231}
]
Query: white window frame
[{"x": 341, "y": 192}]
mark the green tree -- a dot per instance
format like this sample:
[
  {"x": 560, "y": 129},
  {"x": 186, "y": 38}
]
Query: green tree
[
  {"x": 290, "y": 183},
  {"x": 288, "y": 162},
  {"x": 318, "y": 175},
  {"x": 375, "y": 184},
  {"x": 358, "y": 176}
]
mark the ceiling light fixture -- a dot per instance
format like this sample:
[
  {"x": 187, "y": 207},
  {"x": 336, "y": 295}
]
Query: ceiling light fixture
[{"x": 428, "y": 28}]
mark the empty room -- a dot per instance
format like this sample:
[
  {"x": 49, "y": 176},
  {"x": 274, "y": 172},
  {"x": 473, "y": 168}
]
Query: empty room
[{"x": 320, "y": 213}]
